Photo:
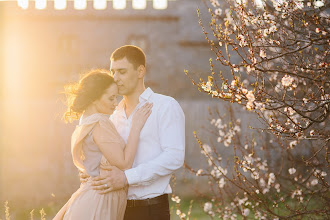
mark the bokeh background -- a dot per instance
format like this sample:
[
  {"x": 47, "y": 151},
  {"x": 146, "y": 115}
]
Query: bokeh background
[{"x": 42, "y": 50}]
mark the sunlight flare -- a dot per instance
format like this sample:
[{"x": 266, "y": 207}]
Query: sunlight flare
[
  {"x": 60, "y": 4},
  {"x": 119, "y": 4},
  {"x": 40, "y": 4},
  {"x": 100, "y": 4},
  {"x": 139, "y": 4},
  {"x": 160, "y": 4},
  {"x": 24, "y": 4},
  {"x": 80, "y": 4}
]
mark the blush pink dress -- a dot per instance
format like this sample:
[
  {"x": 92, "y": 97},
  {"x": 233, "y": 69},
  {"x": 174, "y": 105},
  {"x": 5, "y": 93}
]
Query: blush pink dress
[{"x": 86, "y": 203}]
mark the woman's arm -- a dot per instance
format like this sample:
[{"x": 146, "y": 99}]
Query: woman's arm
[{"x": 112, "y": 150}]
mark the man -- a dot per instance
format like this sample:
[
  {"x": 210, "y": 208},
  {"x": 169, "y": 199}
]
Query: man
[{"x": 162, "y": 140}]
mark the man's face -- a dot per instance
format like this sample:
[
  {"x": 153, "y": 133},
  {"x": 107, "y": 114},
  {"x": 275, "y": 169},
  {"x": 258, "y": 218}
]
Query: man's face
[{"x": 125, "y": 76}]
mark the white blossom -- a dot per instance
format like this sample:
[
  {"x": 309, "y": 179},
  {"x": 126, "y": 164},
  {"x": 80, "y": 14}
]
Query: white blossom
[
  {"x": 242, "y": 41},
  {"x": 293, "y": 143},
  {"x": 176, "y": 199},
  {"x": 271, "y": 178},
  {"x": 287, "y": 80},
  {"x": 265, "y": 190},
  {"x": 249, "y": 105},
  {"x": 292, "y": 171},
  {"x": 249, "y": 68},
  {"x": 206, "y": 149},
  {"x": 250, "y": 96},
  {"x": 318, "y": 3},
  {"x": 181, "y": 214},
  {"x": 255, "y": 175},
  {"x": 314, "y": 182},
  {"x": 199, "y": 172},
  {"x": 273, "y": 29},
  {"x": 222, "y": 182},
  {"x": 260, "y": 105},
  {"x": 262, "y": 53},
  {"x": 277, "y": 187},
  {"x": 207, "y": 87},
  {"x": 297, "y": 192},
  {"x": 218, "y": 11},
  {"x": 246, "y": 212},
  {"x": 215, "y": 93},
  {"x": 207, "y": 207},
  {"x": 227, "y": 142},
  {"x": 215, "y": 3}
]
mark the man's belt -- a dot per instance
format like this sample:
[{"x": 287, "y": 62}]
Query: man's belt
[{"x": 146, "y": 202}]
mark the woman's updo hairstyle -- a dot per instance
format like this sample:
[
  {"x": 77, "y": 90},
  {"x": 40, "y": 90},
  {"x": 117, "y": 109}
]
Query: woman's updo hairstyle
[{"x": 90, "y": 88}]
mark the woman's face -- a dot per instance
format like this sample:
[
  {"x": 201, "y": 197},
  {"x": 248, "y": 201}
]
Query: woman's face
[{"x": 108, "y": 101}]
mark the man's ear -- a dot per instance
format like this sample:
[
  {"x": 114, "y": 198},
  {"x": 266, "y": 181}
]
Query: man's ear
[{"x": 141, "y": 71}]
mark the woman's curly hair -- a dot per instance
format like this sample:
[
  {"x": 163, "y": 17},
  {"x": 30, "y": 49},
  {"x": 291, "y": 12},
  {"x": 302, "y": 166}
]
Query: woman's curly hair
[{"x": 81, "y": 94}]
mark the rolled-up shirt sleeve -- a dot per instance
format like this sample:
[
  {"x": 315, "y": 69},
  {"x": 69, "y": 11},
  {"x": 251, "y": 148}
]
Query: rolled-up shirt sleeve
[{"x": 171, "y": 127}]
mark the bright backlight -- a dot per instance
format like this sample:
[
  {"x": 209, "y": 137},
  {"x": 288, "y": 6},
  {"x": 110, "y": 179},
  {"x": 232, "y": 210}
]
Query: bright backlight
[
  {"x": 100, "y": 4},
  {"x": 119, "y": 4},
  {"x": 40, "y": 4},
  {"x": 160, "y": 4},
  {"x": 80, "y": 4},
  {"x": 24, "y": 4},
  {"x": 60, "y": 4},
  {"x": 139, "y": 4}
]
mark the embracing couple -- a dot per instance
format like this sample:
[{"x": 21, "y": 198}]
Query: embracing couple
[{"x": 125, "y": 162}]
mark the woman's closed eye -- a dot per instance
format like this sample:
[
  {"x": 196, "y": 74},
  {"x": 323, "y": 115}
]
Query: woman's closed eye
[{"x": 112, "y": 98}]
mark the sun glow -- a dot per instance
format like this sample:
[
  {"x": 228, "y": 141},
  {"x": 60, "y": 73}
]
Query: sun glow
[
  {"x": 40, "y": 4},
  {"x": 60, "y": 4},
  {"x": 80, "y": 4},
  {"x": 119, "y": 4},
  {"x": 160, "y": 4},
  {"x": 24, "y": 4},
  {"x": 139, "y": 4},
  {"x": 100, "y": 4}
]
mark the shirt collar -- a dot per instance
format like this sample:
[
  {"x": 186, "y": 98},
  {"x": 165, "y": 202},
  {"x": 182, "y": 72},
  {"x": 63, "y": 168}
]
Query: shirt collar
[
  {"x": 143, "y": 97},
  {"x": 146, "y": 95}
]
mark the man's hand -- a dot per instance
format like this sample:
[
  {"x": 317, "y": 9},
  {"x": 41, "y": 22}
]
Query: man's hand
[{"x": 113, "y": 179}]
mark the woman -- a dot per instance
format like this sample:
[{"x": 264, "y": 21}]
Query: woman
[{"x": 96, "y": 142}]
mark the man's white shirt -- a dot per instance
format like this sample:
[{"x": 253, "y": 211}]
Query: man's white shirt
[{"x": 161, "y": 146}]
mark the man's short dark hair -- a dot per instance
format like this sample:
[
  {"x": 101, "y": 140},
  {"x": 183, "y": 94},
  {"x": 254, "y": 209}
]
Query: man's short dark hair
[{"x": 134, "y": 55}]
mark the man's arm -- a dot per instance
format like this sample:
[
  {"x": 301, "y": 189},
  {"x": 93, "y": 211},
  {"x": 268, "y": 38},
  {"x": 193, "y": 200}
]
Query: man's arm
[{"x": 172, "y": 140}]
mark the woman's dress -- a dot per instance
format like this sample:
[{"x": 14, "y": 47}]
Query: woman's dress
[{"x": 86, "y": 203}]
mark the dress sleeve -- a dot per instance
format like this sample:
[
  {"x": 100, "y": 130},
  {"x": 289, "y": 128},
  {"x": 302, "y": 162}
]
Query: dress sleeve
[{"x": 105, "y": 132}]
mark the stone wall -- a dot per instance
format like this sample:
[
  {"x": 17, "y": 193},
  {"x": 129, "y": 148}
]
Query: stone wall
[{"x": 44, "y": 49}]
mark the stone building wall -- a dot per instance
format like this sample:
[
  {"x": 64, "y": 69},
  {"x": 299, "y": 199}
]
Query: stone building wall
[{"x": 44, "y": 49}]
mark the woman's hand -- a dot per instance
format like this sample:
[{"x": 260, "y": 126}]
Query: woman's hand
[
  {"x": 83, "y": 177},
  {"x": 141, "y": 115}
]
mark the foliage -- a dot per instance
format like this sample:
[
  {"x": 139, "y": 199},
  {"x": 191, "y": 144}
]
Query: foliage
[{"x": 275, "y": 56}]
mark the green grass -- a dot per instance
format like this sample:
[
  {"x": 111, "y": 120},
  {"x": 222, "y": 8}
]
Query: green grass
[
  {"x": 23, "y": 212},
  {"x": 197, "y": 212}
]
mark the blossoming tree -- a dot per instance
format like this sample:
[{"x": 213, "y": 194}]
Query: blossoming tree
[{"x": 276, "y": 59}]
